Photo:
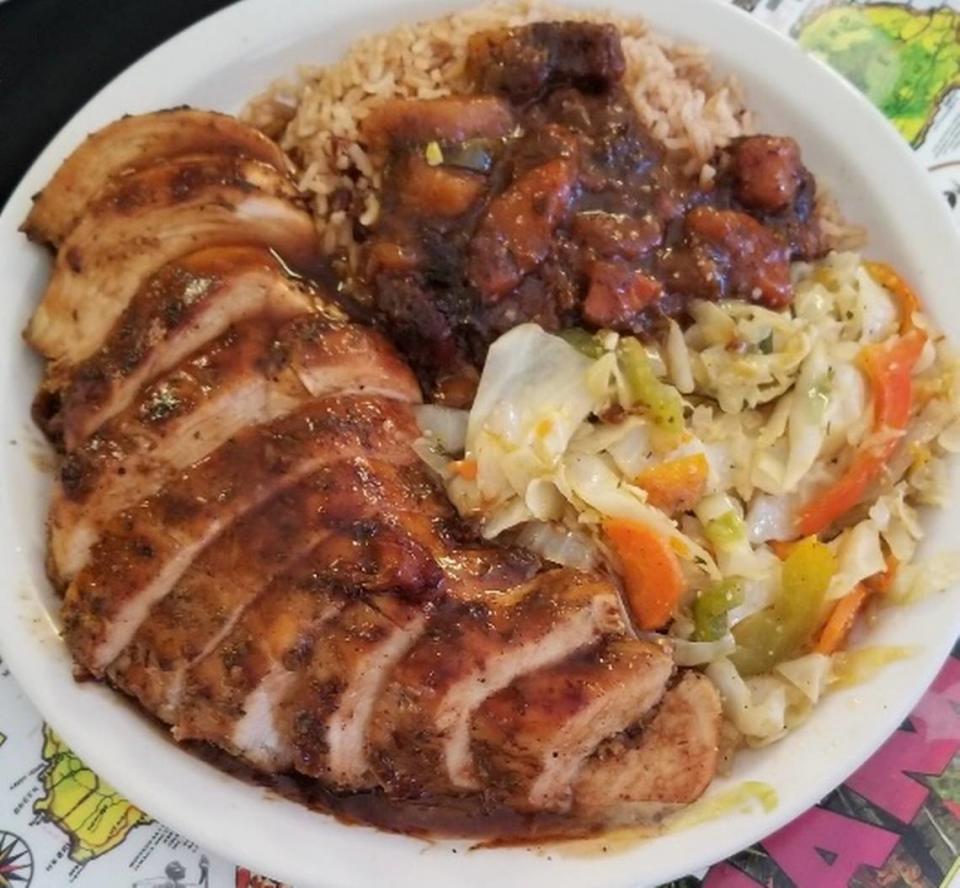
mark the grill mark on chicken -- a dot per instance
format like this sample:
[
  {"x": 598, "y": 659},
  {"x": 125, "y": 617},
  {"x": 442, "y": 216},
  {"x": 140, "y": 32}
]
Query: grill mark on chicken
[
  {"x": 323, "y": 717},
  {"x": 531, "y": 738},
  {"x": 145, "y": 550},
  {"x": 419, "y": 739},
  {"x": 189, "y": 622},
  {"x": 150, "y": 219},
  {"x": 174, "y": 423},
  {"x": 230, "y": 695},
  {"x": 249, "y": 376},
  {"x": 327, "y": 713},
  {"x": 666, "y": 764},
  {"x": 186, "y": 304},
  {"x": 130, "y": 144},
  {"x": 366, "y": 554}
]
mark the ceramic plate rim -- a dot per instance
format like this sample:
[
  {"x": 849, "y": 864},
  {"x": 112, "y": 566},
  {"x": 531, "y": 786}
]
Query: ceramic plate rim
[{"x": 242, "y": 822}]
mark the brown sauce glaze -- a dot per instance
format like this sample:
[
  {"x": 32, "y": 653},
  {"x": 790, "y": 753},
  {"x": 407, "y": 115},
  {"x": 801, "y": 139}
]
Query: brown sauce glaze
[
  {"x": 577, "y": 216},
  {"x": 472, "y": 817}
]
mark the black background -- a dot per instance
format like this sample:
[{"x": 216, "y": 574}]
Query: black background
[{"x": 55, "y": 54}]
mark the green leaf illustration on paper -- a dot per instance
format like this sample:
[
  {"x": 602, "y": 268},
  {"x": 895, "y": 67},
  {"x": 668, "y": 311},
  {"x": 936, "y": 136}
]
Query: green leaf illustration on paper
[{"x": 905, "y": 60}]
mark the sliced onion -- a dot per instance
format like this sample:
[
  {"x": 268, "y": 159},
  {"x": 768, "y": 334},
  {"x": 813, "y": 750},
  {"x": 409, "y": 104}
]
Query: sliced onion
[
  {"x": 553, "y": 542},
  {"x": 447, "y": 425},
  {"x": 770, "y": 518},
  {"x": 698, "y": 653}
]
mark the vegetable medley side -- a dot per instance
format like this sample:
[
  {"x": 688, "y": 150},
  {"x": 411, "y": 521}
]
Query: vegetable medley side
[{"x": 754, "y": 480}]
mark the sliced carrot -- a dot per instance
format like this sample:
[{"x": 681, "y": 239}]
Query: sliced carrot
[
  {"x": 888, "y": 367},
  {"x": 652, "y": 578},
  {"x": 879, "y": 583},
  {"x": 782, "y": 548},
  {"x": 465, "y": 468},
  {"x": 845, "y": 494},
  {"x": 841, "y": 620},
  {"x": 677, "y": 485},
  {"x": 907, "y": 299}
]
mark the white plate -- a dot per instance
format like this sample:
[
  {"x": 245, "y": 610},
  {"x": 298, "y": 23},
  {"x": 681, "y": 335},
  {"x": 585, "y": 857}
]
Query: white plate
[{"x": 219, "y": 63}]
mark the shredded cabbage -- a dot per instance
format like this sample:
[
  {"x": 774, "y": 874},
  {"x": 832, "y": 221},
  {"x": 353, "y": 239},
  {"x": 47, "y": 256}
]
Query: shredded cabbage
[{"x": 566, "y": 431}]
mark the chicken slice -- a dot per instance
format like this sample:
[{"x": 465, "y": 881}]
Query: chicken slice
[
  {"x": 232, "y": 695},
  {"x": 531, "y": 738},
  {"x": 203, "y": 607},
  {"x": 668, "y": 763},
  {"x": 181, "y": 308},
  {"x": 323, "y": 719},
  {"x": 419, "y": 739},
  {"x": 370, "y": 504},
  {"x": 196, "y": 615},
  {"x": 133, "y": 143},
  {"x": 249, "y": 376},
  {"x": 327, "y": 712},
  {"x": 145, "y": 550},
  {"x": 152, "y": 217}
]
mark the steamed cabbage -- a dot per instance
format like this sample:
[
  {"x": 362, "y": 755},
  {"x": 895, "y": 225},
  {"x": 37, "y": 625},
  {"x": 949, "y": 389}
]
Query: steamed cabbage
[{"x": 566, "y": 431}]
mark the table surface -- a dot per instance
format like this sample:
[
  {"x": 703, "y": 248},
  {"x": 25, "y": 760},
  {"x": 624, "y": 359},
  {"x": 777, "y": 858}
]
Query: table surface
[{"x": 896, "y": 822}]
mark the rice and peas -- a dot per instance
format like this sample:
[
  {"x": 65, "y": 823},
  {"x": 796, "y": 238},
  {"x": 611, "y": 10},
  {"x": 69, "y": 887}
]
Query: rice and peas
[{"x": 690, "y": 464}]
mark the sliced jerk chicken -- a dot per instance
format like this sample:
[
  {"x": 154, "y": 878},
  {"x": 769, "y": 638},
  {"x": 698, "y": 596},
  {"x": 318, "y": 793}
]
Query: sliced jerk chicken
[
  {"x": 666, "y": 765},
  {"x": 246, "y": 539},
  {"x": 532, "y": 738},
  {"x": 133, "y": 143},
  {"x": 186, "y": 304},
  {"x": 145, "y": 220},
  {"x": 255, "y": 372}
]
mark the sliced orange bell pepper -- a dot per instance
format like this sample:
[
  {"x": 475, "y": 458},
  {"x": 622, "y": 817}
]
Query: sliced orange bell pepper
[
  {"x": 907, "y": 299},
  {"x": 676, "y": 485},
  {"x": 888, "y": 367},
  {"x": 652, "y": 578}
]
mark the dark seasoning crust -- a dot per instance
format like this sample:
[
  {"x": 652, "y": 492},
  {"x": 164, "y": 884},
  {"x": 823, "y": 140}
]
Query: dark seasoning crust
[{"x": 338, "y": 631}]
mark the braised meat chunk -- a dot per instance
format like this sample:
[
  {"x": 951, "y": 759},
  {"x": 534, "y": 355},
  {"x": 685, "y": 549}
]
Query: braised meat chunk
[
  {"x": 522, "y": 63},
  {"x": 398, "y": 122},
  {"x": 542, "y": 197},
  {"x": 767, "y": 172}
]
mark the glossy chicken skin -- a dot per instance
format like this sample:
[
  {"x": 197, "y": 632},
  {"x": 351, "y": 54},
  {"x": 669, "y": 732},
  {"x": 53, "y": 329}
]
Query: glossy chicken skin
[
  {"x": 531, "y": 738},
  {"x": 130, "y": 144},
  {"x": 146, "y": 549},
  {"x": 420, "y": 734},
  {"x": 148, "y": 219},
  {"x": 186, "y": 304},
  {"x": 257, "y": 371}
]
